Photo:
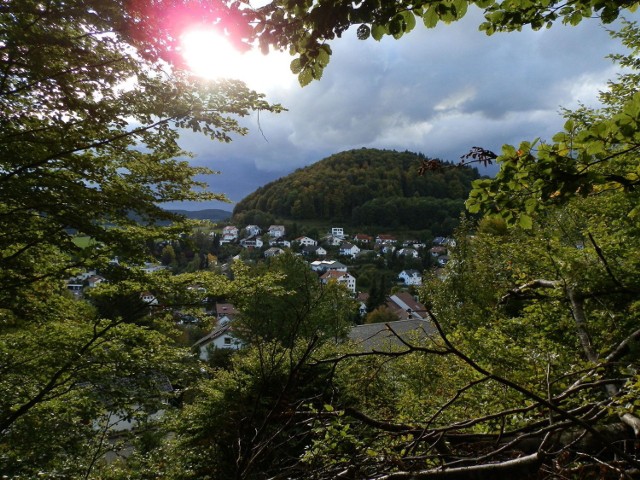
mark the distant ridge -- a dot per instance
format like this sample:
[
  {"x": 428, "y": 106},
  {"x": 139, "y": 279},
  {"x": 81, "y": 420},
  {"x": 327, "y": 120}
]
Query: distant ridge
[{"x": 213, "y": 214}]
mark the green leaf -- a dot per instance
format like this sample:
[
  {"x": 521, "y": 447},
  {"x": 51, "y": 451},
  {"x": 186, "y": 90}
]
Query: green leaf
[
  {"x": 296, "y": 66},
  {"x": 525, "y": 221},
  {"x": 409, "y": 21},
  {"x": 378, "y": 31},
  {"x": 305, "y": 77},
  {"x": 430, "y": 17}
]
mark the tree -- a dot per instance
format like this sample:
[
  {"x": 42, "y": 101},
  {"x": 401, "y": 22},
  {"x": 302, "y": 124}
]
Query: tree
[
  {"x": 294, "y": 305},
  {"x": 92, "y": 98}
]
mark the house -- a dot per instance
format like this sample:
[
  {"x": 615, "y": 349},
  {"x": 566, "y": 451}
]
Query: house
[
  {"x": 273, "y": 252},
  {"x": 220, "y": 337},
  {"x": 279, "y": 242},
  {"x": 95, "y": 280},
  {"x": 348, "y": 249},
  {"x": 391, "y": 335},
  {"x": 332, "y": 240},
  {"x": 251, "y": 242},
  {"x": 411, "y": 277},
  {"x": 444, "y": 241},
  {"x": 276, "y": 231},
  {"x": 306, "y": 241},
  {"x": 388, "y": 249},
  {"x": 150, "y": 267},
  {"x": 75, "y": 288},
  {"x": 343, "y": 278},
  {"x": 225, "y": 312},
  {"x": 322, "y": 266},
  {"x": 229, "y": 234},
  {"x": 314, "y": 251},
  {"x": 406, "y": 307},
  {"x": 252, "y": 230},
  {"x": 149, "y": 298},
  {"x": 443, "y": 260},
  {"x": 362, "y": 238},
  {"x": 438, "y": 250},
  {"x": 383, "y": 239},
  {"x": 408, "y": 252},
  {"x": 337, "y": 232},
  {"x": 413, "y": 244},
  {"x": 362, "y": 298}
]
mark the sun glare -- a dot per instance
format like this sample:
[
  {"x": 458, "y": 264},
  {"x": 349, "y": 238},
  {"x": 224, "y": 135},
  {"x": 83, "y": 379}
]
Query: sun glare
[{"x": 209, "y": 55}]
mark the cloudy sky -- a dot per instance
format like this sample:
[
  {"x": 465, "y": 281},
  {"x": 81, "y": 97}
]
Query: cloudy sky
[{"x": 435, "y": 91}]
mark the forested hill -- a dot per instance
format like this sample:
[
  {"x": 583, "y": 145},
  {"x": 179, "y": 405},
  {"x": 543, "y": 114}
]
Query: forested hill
[{"x": 364, "y": 187}]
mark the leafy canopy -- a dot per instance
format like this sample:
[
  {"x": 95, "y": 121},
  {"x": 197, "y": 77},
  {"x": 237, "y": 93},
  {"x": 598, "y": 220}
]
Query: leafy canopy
[{"x": 92, "y": 100}]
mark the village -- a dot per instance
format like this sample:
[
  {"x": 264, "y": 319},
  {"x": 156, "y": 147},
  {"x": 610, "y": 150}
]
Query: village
[{"x": 334, "y": 257}]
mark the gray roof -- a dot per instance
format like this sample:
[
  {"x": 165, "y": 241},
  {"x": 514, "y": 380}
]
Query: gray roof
[
  {"x": 382, "y": 336},
  {"x": 215, "y": 333}
]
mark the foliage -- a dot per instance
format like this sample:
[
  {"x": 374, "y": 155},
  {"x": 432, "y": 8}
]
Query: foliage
[
  {"x": 366, "y": 187},
  {"x": 597, "y": 152},
  {"x": 306, "y": 28},
  {"x": 91, "y": 106},
  {"x": 293, "y": 305}
]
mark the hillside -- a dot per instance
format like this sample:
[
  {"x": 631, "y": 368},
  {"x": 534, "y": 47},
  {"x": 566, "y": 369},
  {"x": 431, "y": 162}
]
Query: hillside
[
  {"x": 364, "y": 187},
  {"x": 212, "y": 214}
]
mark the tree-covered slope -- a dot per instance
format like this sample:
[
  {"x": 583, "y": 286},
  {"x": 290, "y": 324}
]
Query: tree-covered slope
[{"x": 365, "y": 187}]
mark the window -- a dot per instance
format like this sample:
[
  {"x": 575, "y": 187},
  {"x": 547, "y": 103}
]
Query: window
[{"x": 227, "y": 340}]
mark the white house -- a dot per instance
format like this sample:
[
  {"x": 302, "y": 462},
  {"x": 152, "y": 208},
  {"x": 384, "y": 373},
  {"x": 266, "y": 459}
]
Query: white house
[
  {"x": 383, "y": 239},
  {"x": 150, "y": 267},
  {"x": 221, "y": 337},
  {"x": 279, "y": 242},
  {"x": 273, "y": 252},
  {"x": 252, "y": 230},
  {"x": 332, "y": 240},
  {"x": 388, "y": 248},
  {"x": 229, "y": 234},
  {"x": 343, "y": 278},
  {"x": 95, "y": 280},
  {"x": 362, "y": 298},
  {"x": 411, "y": 277},
  {"x": 337, "y": 232},
  {"x": 314, "y": 250},
  {"x": 276, "y": 231},
  {"x": 443, "y": 260},
  {"x": 149, "y": 298},
  {"x": 326, "y": 265},
  {"x": 362, "y": 238},
  {"x": 408, "y": 252},
  {"x": 437, "y": 251},
  {"x": 306, "y": 241},
  {"x": 251, "y": 242},
  {"x": 348, "y": 249}
]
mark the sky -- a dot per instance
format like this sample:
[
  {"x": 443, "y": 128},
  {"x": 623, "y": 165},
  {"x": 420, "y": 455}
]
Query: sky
[{"x": 434, "y": 91}]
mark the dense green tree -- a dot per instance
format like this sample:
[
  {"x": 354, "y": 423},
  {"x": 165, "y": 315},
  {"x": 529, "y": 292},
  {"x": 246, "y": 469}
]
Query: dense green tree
[
  {"x": 375, "y": 188},
  {"x": 92, "y": 98},
  {"x": 295, "y": 305}
]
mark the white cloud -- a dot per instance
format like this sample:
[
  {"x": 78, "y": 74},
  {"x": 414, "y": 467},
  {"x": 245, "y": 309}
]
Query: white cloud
[{"x": 456, "y": 99}]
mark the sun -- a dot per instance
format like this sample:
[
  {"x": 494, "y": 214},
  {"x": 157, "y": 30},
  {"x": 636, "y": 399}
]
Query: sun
[{"x": 210, "y": 55}]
